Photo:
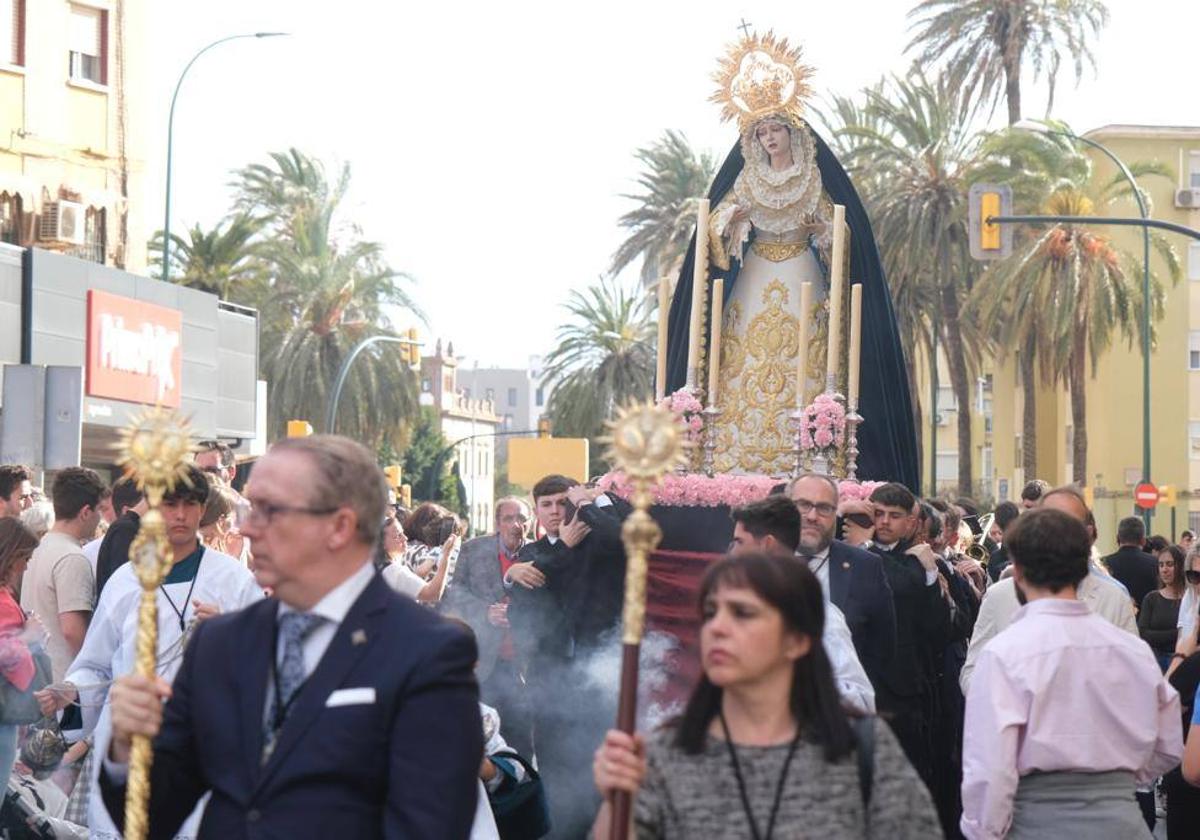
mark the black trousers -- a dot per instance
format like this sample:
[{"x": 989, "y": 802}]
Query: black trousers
[{"x": 504, "y": 690}]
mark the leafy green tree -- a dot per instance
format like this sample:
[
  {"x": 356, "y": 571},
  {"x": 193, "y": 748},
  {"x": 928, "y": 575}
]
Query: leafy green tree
[
  {"x": 915, "y": 141},
  {"x": 1069, "y": 291},
  {"x": 604, "y": 359},
  {"x": 988, "y": 43},
  {"x": 222, "y": 261},
  {"x": 421, "y": 459},
  {"x": 673, "y": 179}
]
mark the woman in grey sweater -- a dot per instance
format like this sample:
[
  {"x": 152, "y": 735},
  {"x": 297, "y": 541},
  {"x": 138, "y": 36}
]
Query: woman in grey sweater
[{"x": 763, "y": 749}]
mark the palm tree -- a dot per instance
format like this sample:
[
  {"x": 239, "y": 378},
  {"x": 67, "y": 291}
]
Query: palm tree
[
  {"x": 916, "y": 137},
  {"x": 604, "y": 359},
  {"x": 1069, "y": 291},
  {"x": 221, "y": 261},
  {"x": 986, "y": 43},
  {"x": 324, "y": 293},
  {"x": 673, "y": 178}
]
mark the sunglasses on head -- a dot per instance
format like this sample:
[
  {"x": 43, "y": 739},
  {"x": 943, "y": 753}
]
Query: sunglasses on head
[{"x": 1192, "y": 577}]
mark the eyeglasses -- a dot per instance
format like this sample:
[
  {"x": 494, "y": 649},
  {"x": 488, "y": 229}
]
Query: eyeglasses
[
  {"x": 822, "y": 508},
  {"x": 262, "y": 513},
  {"x": 1192, "y": 577}
]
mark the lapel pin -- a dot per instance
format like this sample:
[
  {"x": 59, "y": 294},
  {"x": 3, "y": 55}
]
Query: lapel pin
[
  {"x": 845, "y": 565},
  {"x": 358, "y": 637}
]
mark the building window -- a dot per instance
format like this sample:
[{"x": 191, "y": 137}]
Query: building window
[
  {"x": 512, "y": 397},
  {"x": 1194, "y": 521},
  {"x": 1194, "y": 169},
  {"x": 93, "y": 247},
  {"x": 490, "y": 395},
  {"x": 10, "y": 218},
  {"x": 947, "y": 467},
  {"x": 1194, "y": 350},
  {"x": 540, "y": 397},
  {"x": 88, "y": 45},
  {"x": 945, "y": 399},
  {"x": 1193, "y": 261},
  {"x": 12, "y": 32},
  {"x": 426, "y": 385},
  {"x": 1194, "y": 440}
]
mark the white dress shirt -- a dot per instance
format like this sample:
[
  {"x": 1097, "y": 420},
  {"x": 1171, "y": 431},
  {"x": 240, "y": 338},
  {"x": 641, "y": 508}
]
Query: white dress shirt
[
  {"x": 333, "y": 608},
  {"x": 1000, "y": 604}
]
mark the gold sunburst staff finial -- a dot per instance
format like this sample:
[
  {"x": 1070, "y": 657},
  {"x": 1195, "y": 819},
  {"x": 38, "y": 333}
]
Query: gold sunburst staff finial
[
  {"x": 155, "y": 447},
  {"x": 762, "y": 76},
  {"x": 647, "y": 441}
]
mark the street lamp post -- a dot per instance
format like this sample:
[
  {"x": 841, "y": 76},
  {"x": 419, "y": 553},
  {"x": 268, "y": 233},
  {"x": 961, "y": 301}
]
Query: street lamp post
[
  {"x": 1145, "y": 214},
  {"x": 166, "y": 248}
]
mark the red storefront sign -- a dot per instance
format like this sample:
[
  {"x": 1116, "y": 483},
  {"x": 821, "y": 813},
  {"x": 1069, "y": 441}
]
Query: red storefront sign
[{"x": 134, "y": 350}]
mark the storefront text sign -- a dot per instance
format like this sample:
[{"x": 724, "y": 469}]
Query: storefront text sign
[{"x": 134, "y": 350}]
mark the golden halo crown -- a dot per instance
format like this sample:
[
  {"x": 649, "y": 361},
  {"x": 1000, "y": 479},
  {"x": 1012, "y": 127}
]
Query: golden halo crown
[{"x": 760, "y": 77}]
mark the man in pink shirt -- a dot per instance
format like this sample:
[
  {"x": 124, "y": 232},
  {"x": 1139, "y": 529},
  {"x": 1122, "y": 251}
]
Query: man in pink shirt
[{"x": 1066, "y": 713}]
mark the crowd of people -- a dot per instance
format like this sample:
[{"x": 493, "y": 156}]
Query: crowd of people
[{"x": 890, "y": 666}]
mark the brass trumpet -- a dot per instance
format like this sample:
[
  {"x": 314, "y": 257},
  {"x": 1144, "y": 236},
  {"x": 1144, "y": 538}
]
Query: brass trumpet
[{"x": 972, "y": 546}]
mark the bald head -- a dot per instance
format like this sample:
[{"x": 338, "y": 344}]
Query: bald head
[{"x": 1068, "y": 500}]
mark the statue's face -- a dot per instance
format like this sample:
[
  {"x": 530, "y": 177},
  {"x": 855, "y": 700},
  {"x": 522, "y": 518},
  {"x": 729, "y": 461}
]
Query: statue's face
[{"x": 774, "y": 137}]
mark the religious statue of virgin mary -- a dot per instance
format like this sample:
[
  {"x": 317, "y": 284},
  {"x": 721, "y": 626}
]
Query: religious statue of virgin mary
[{"x": 770, "y": 229}]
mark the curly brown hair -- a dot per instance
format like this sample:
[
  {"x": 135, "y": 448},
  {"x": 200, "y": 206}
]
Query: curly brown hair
[{"x": 16, "y": 545}]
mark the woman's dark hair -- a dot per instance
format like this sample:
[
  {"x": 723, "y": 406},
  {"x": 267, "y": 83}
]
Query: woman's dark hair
[
  {"x": 379, "y": 556},
  {"x": 16, "y": 544},
  {"x": 1050, "y": 547},
  {"x": 796, "y": 593},
  {"x": 1178, "y": 555},
  {"x": 425, "y": 514}
]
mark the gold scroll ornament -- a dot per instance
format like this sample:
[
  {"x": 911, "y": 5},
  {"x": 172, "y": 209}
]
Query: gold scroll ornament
[
  {"x": 647, "y": 442},
  {"x": 155, "y": 452}
]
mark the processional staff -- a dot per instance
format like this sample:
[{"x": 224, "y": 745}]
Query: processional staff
[
  {"x": 155, "y": 449},
  {"x": 647, "y": 442}
]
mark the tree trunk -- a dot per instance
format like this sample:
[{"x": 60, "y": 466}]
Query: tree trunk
[
  {"x": 916, "y": 409},
  {"x": 959, "y": 381},
  {"x": 1028, "y": 415},
  {"x": 1078, "y": 374},
  {"x": 1012, "y": 85}
]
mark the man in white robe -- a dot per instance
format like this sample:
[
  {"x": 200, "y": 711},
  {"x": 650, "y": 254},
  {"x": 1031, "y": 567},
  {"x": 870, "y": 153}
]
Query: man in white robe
[{"x": 201, "y": 584}]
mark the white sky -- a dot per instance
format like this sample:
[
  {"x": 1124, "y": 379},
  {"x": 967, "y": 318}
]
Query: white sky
[{"x": 489, "y": 142}]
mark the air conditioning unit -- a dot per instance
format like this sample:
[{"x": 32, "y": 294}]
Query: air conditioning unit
[
  {"x": 940, "y": 418},
  {"x": 62, "y": 221},
  {"x": 1188, "y": 198}
]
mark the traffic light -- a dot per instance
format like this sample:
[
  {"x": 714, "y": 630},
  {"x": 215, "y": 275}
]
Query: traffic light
[
  {"x": 406, "y": 495},
  {"x": 392, "y": 471},
  {"x": 298, "y": 428},
  {"x": 543, "y": 426},
  {"x": 989, "y": 240},
  {"x": 412, "y": 350},
  {"x": 1167, "y": 495}
]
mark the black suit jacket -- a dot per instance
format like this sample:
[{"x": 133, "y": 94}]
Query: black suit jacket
[
  {"x": 922, "y": 627},
  {"x": 540, "y": 624},
  {"x": 860, "y": 589},
  {"x": 114, "y": 548},
  {"x": 401, "y": 765},
  {"x": 1136, "y": 569},
  {"x": 997, "y": 561}
]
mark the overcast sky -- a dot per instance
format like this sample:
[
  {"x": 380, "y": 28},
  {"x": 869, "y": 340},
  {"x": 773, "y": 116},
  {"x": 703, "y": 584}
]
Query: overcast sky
[{"x": 490, "y": 142}]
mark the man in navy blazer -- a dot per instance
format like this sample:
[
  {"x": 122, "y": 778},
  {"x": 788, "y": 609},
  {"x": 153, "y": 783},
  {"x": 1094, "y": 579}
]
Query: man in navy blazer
[
  {"x": 364, "y": 723},
  {"x": 853, "y": 579}
]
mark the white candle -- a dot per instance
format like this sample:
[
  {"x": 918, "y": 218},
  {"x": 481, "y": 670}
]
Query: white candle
[
  {"x": 855, "y": 342},
  {"x": 802, "y": 338},
  {"x": 835, "y": 295},
  {"x": 664, "y": 311},
  {"x": 714, "y": 350},
  {"x": 699, "y": 280}
]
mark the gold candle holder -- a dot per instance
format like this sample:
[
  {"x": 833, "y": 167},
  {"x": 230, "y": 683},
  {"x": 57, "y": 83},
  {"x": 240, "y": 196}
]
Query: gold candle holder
[
  {"x": 154, "y": 448},
  {"x": 646, "y": 442}
]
